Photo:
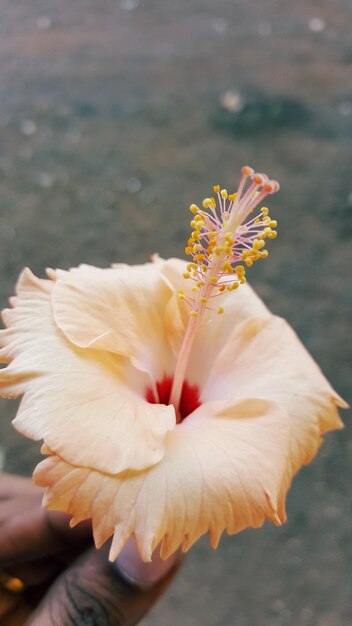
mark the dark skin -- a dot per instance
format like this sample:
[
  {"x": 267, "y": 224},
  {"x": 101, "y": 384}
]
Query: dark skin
[{"x": 67, "y": 581}]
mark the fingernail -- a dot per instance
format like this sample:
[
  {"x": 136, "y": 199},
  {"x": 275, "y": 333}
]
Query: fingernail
[{"x": 138, "y": 573}]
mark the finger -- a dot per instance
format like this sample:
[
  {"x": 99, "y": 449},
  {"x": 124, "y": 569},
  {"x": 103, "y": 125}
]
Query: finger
[
  {"x": 14, "y": 610},
  {"x": 90, "y": 591},
  {"x": 7, "y": 602},
  {"x": 35, "y": 572},
  {"x": 18, "y": 616},
  {"x": 136, "y": 572},
  {"x": 33, "y": 535},
  {"x": 10, "y": 507},
  {"x": 60, "y": 522},
  {"x": 11, "y": 486}
]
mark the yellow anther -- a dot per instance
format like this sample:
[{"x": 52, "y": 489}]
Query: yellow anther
[
  {"x": 227, "y": 267},
  {"x": 212, "y": 245},
  {"x": 208, "y": 203}
]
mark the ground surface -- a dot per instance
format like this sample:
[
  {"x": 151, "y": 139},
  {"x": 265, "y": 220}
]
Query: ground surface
[{"x": 114, "y": 116}]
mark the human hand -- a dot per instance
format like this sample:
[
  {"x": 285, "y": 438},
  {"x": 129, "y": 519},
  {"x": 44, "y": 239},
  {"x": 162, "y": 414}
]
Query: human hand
[{"x": 66, "y": 581}]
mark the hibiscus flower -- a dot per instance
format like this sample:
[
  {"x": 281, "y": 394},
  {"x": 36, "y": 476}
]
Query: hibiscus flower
[{"x": 168, "y": 405}]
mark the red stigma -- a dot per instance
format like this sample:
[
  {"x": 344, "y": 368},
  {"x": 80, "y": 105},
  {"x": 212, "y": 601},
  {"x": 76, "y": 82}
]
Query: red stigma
[{"x": 189, "y": 401}]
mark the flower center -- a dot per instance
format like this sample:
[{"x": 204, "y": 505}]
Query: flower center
[{"x": 189, "y": 400}]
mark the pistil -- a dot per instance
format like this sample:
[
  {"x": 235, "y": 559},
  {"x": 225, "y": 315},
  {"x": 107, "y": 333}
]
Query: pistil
[{"x": 220, "y": 241}]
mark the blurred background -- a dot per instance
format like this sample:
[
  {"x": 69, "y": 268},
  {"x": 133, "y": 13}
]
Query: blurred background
[{"x": 115, "y": 115}]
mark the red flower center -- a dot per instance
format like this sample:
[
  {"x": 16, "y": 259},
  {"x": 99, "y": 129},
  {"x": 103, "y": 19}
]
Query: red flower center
[{"x": 189, "y": 398}]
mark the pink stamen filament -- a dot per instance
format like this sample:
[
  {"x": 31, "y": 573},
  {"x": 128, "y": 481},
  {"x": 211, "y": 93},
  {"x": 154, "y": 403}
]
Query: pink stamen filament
[{"x": 186, "y": 348}]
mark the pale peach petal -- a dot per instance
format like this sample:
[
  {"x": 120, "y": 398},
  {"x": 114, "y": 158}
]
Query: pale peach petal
[
  {"x": 87, "y": 405},
  {"x": 222, "y": 472},
  {"x": 265, "y": 358},
  {"x": 117, "y": 309},
  {"x": 215, "y": 334},
  {"x": 20, "y": 336}
]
